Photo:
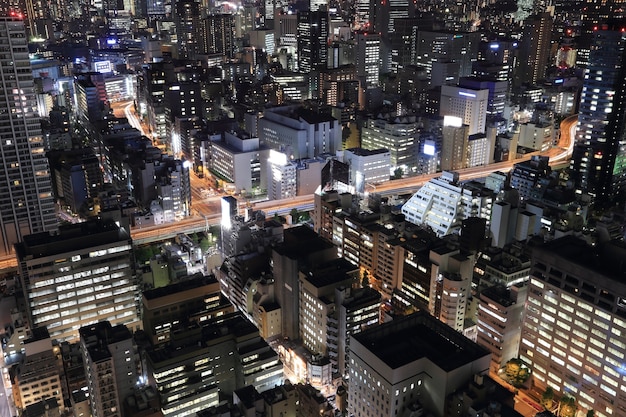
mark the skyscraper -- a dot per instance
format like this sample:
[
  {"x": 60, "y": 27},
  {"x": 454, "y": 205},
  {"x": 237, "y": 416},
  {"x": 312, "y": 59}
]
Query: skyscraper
[
  {"x": 312, "y": 40},
  {"x": 598, "y": 164},
  {"x": 26, "y": 202},
  {"x": 535, "y": 45}
]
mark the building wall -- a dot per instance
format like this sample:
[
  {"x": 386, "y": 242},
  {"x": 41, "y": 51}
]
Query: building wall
[{"x": 575, "y": 320}]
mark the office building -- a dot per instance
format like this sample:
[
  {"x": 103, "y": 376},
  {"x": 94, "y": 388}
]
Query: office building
[
  {"x": 413, "y": 289},
  {"x": 240, "y": 160},
  {"x": 371, "y": 243},
  {"x": 537, "y": 136},
  {"x": 224, "y": 354},
  {"x": 80, "y": 276},
  {"x": 186, "y": 14},
  {"x": 238, "y": 277},
  {"x": 151, "y": 86},
  {"x": 454, "y": 145},
  {"x": 596, "y": 166},
  {"x": 91, "y": 96},
  {"x": 282, "y": 179},
  {"x": 467, "y": 104},
  {"x": 26, "y": 202},
  {"x": 574, "y": 323},
  {"x": 450, "y": 286},
  {"x": 77, "y": 176},
  {"x": 317, "y": 292},
  {"x": 367, "y": 58},
  {"x": 298, "y": 132},
  {"x": 111, "y": 366},
  {"x": 355, "y": 310},
  {"x": 479, "y": 150},
  {"x": 367, "y": 167},
  {"x": 442, "y": 203},
  {"x": 438, "y": 46},
  {"x": 184, "y": 101},
  {"x": 218, "y": 34},
  {"x": 408, "y": 360},
  {"x": 194, "y": 299},
  {"x": 399, "y": 135},
  {"x": 497, "y": 96},
  {"x": 526, "y": 176},
  {"x": 325, "y": 205}
]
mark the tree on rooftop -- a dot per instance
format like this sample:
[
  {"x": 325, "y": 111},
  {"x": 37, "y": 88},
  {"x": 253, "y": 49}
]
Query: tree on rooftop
[
  {"x": 547, "y": 399},
  {"x": 365, "y": 279}
]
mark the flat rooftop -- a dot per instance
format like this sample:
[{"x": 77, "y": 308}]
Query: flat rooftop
[
  {"x": 410, "y": 338},
  {"x": 71, "y": 238},
  {"x": 197, "y": 281},
  {"x": 606, "y": 259}
]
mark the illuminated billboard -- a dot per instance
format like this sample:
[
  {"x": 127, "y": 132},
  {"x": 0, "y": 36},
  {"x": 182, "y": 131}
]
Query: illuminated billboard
[{"x": 102, "y": 67}]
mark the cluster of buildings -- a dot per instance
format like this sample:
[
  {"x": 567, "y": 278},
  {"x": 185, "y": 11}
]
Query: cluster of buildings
[
  {"x": 399, "y": 306},
  {"x": 411, "y": 89}
]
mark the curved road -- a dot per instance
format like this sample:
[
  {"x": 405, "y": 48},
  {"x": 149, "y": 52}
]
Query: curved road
[{"x": 208, "y": 209}]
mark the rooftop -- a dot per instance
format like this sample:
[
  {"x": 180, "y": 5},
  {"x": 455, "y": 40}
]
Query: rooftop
[
  {"x": 71, "y": 238},
  {"x": 410, "y": 338},
  {"x": 607, "y": 259},
  {"x": 197, "y": 281}
]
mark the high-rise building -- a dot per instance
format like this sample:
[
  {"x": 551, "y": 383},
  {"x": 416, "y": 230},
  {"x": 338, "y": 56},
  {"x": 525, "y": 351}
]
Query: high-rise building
[
  {"x": 317, "y": 293},
  {"x": 535, "y": 46},
  {"x": 399, "y": 135},
  {"x": 218, "y": 34},
  {"x": 598, "y": 165},
  {"x": 312, "y": 40},
  {"x": 385, "y": 14},
  {"x": 26, "y": 201},
  {"x": 466, "y": 103},
  {"x": 450, "y": 286},
  {"x": 575, "y": 321},
  {"x": 459, "y": 48},
  {"x": 82, "y": 275},
  {"x": 187, "y": 21},
  {"x": 454, "y": 146},
  {"x": 367, "y": 58}
]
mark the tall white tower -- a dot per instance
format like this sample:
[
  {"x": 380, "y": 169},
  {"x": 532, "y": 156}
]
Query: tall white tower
[{"x": 26, "y": 201}]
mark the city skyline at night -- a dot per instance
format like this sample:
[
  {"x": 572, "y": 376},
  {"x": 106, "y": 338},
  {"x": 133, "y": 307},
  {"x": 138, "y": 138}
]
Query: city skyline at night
[{"x": 312, "y": 208}]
